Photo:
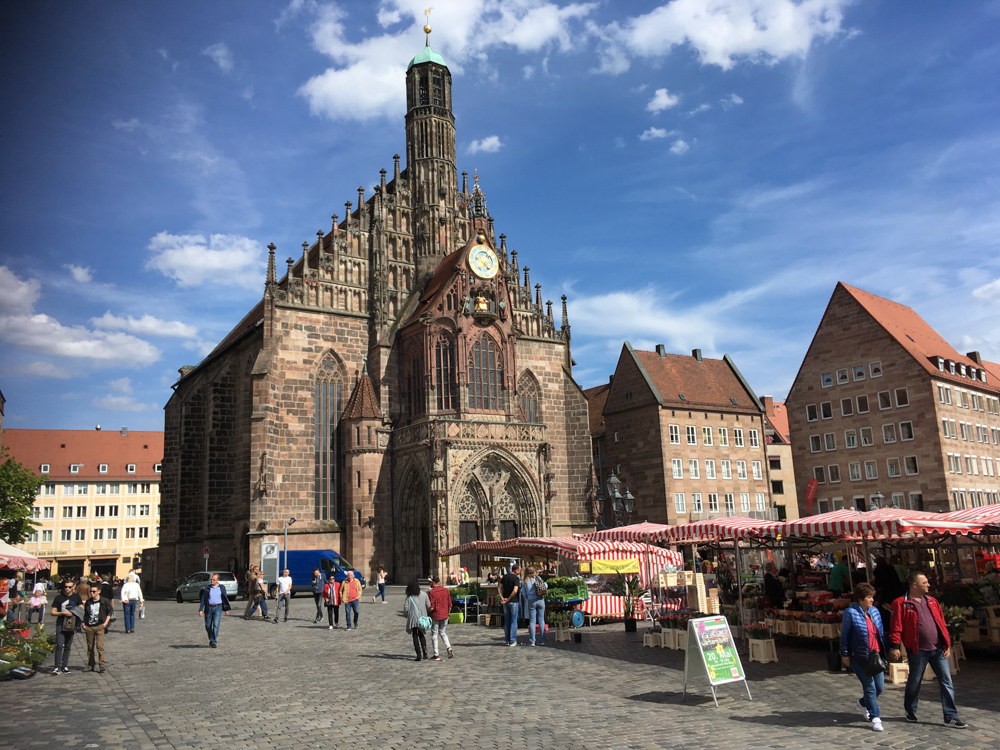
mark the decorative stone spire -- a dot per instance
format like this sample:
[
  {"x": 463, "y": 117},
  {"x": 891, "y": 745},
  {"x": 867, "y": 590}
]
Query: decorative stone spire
[
  {"x": 548, "y": 308},
  {"x": 334, "y": 230},
  {"x": 538, "y": 297},
  {"x": 395, "y": 170},
  {"x": 527, "y": 280},
  {"x": 382, "y": 182},
  {"x": 271, "y": 275},
  {"x": 477, "y": 206},
  {"x": 305, "y": 259},
  {"x": 319, "y": 242},
  {"x": 565, "y": 314},
  {"x": 347, "y": 217}
]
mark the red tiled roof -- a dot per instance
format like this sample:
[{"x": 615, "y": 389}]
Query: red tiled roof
[
  {"x": 777, "y": 415},
  {"x": 363, "y": 404},
  {"x": 921, "y": 341},
  {"x": 596, "y": 398},
  {"x": 993, "y": 370},
  {"x": 711, "y": 382},
  {"x": 90, "y": 448}
]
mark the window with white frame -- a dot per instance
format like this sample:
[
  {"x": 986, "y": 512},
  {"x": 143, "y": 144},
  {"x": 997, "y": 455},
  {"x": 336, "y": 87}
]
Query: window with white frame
[
  {"x": 906, "y": 431},
  {"x": 867, "y": 436},
  {"x": 102, "y": 468},
  {"x": 75, "y": 468},
  {"x": 113, "y": 511},
  {"x": 970, "y": 467},
  {"x": 850, "y": 438},
  {"x": 132, "y": 488},
  {"x": 43, "y": 469},
  {"x": 902, "y": 397},
  {"x": 678, "y": 467},
  {"x": 812, "y": 413},
  {"x": 144, "y": 488},
  {"x": 859, "y": 372},
  {"x": 82, "y": 489},
  {"x": 862, "y": 402},
  {"x": 679, "y": 504},
  {"x": 843, "y": 376},
  {"x": 98, "y": 511},
  {"x": 47, "y": 536},
  {"x": 130, "y": 511},
  {"x": 144, "y": 532},
  {"x": 80, "y": 535},
  {"x": 833, "y": 472},
  {"x": 854, "y": 471},
  {"x": 144, "y": 510},
  {"x": 815, "y": 444},
  {"x": 875, "y": 369},
  {"x": 706, "y": 435},
  {"x": 754, "y": 438},
  {"x": 68, "y": 489},
  {"x": 693, "y": 468},
  {"x": 49, "y": 511},
  {"x": 819, "y": 474},
  {"x": 98, "y": 535},
  {"x": 130, "y": 468},
  {"x": 758, "y": 470},
  {"x": 100, "y": 489},
  {"x": 910, "y": 465},
  {"x": 738, "y": 437},
  {"x": 761, "y": 501},
  {"x": 675, "y": 434},
  {"x": 727, "y": 470},
  {"x": 826, "y": 410},
  {"x": 830, "y": 441},
  {"x": 846, "y": 407},
  {"x": 709, "y": 468},
  {"x": 871, "y": 470},
  {"x": 50, "y": 489},
  {"x": 692, "y": 435},
  {"x": 962, "y": 431},
  {"x": 826, "y": 380},
  {"x": 112, "y": 533},
  {"x": 892, "y": 467},
  {"x": 730, "y": 506},
  {"x": 157, "y": 468},
  {"x": 114, "y": 488},
  {"x": 65, "y": 535},
  {"x": 67, "y": 511},
  {"x": 81, "y": 511},
  {"x": 884, "y": 400},
  {"x": 713, "y": 502},
  {"x": 696, "y": 502},
  {"x": 744, "y": 502},
  {"x": 889, "y": 433},
  {"x": 723, "y": 436},
  {"x": 36, "y": 512},
  {"x": 741, "y": 469},
  {"x": 130, "y": 532}
]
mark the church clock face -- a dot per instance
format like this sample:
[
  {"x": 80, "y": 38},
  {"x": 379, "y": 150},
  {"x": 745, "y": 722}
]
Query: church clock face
[{"x": 483, "y": 262}]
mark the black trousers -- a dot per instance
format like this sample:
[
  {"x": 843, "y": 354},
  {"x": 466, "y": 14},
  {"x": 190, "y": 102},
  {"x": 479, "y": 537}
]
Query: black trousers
[
  {"x": 333, "y": 614},
  {"x": 419, "y": 642}
]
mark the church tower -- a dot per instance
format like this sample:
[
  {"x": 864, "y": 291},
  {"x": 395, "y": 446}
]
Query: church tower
[{"x": 430, "y": 157}]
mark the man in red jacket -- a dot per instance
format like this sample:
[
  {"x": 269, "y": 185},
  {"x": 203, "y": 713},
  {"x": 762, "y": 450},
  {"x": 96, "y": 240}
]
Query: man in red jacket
[
  {"x": 917, "y": 620},
  {"x": 440, "y": 598}
]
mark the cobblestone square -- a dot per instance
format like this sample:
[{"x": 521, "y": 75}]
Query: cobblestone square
[{"x": 300, "y": 685}]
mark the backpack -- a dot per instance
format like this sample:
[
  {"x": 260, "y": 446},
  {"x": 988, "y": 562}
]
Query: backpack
[
  {"x": 541, "y": 588},
  {"x": 423, "y": 621}
]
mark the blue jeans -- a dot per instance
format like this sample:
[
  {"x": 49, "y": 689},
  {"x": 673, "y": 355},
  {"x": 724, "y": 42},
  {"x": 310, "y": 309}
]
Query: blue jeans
[
  {"x": 873, "y": 686},
  {"x": 348, "y": 608},
  {"x": 213, "y": 616},
  {"x": 283, "y": 601},
  {"x": 536, "y": 616},
  {"x": 262, "y": 603},
  {"x": 942, "y": 670},
  {"x": 128, "y": 608},
  {"x": 510, "y": 622},
  {"x": 381, "y": 592}
]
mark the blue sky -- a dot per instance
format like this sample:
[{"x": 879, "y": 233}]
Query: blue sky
[{"x": 697, "y": 173}]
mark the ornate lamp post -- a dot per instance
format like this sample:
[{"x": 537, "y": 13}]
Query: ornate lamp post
[{"x": 621, "y": 505}]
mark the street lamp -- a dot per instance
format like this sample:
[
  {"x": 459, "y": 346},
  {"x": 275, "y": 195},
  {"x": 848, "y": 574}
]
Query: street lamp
[
  {"x": 621, "y": 505},
  {"x": 288, "y": 523},
  {"x": 877, "y": 499}
]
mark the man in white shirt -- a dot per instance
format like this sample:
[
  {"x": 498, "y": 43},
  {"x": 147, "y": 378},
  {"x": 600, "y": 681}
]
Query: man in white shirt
[{"x": 284, "y": 594}]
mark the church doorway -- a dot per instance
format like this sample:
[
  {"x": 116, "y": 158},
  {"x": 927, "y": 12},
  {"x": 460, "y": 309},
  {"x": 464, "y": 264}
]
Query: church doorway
[
  {"x": 468, "y": 531},
  {"x": 414, "y": 543}
]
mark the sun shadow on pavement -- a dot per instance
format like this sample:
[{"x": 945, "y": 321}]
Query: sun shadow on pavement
[
  {"x": 671, "y": 698},
  {"x": 393, "y": 657},
  {"x": 807, "y": 719},
  {"x": 189, "y": 645}
]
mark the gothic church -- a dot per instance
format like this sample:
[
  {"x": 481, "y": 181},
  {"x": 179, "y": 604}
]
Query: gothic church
[{"x": 401, "y": 389}]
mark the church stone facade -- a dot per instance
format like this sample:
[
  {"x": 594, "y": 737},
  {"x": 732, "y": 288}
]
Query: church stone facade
[{"x": 400, "y": 389}]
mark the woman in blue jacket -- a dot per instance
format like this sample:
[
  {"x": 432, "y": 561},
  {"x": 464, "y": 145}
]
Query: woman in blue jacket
[{"x": 861, "y": 633}]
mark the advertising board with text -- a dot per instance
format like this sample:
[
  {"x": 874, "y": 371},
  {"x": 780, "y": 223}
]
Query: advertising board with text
[{"x": 711, "y": 652}]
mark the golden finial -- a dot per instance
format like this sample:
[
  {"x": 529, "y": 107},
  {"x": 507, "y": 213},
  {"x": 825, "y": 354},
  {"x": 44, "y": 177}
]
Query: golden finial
[
  {"x": 427, "y": 26},
  {"x": 475, "y": 176}
]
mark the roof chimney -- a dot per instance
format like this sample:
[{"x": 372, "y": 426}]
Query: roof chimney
[
  {"x": 768, "y": 402},
  {"x": 696, "y": 353},
  {"x": 124, "y": 431},
  {"x": 975, "y": 357},
  {"x": 661, "y": 350}
]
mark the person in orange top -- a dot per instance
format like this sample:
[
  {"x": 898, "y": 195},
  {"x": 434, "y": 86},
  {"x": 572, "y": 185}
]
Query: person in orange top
[{"x": 350, "y": 593}]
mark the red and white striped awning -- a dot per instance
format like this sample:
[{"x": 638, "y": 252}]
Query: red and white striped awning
[
  {"x": 570, "y": 548},
  {"x": 987, "y": 514},
  {"x": 880, "y": 524},
  {"x": 636, "y": 532},
  {"x": 728, "y": 528}
]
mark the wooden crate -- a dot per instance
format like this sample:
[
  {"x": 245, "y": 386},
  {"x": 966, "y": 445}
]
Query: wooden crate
[{"x": 804, "y": 629}]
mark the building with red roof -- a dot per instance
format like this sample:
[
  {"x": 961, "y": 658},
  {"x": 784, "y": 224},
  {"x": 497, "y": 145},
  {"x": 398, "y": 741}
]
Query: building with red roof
[{"x": 884, "y": 411}]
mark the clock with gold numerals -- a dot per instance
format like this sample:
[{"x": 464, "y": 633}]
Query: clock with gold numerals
[{"x": 483, "y": 261}]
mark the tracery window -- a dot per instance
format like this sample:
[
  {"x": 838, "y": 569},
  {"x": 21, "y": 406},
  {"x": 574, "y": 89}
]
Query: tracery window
[
  {"x": 485, "y": 376},
  {"x": 328, "y": 407},
  {"x": 444, "y": 374},
  {"x": 527, "y": 394}
]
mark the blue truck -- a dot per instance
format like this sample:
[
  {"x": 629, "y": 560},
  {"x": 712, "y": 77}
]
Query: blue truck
[{"x": 302, "y": 562}]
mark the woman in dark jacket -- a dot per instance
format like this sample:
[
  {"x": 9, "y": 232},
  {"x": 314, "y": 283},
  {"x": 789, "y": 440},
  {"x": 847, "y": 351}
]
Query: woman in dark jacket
[{"x": 860, "y": 633}]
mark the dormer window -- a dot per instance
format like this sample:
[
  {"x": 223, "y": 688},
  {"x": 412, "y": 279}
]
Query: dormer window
[
  {"x": 940, "y": 363},
  {"x": 157, "y": 468},
  {"x": 130, "y": 468},
  {"x": 102, "y": 468},
  {"x": 951, "y": 366},
  {"x": 75, "y": 468},
  {"x": 43, "y": 469},
  {"x": 961, "y": 370}
]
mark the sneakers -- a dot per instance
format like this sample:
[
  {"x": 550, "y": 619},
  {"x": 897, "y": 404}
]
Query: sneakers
[
  {"x": 212, "y": 645},
  {"x": 876, "y": 724},
  {"x": 57, "y": 671},
  {"x": 417, "y": 659},
  {"x": 373, "y": 600},
  {"x": 451, "y": 654},
  {"x": 861, "y": 705},
  {"x": 435, "y": 658},
  {"x": 955, "y": 724},
  {"x": 512, "y": 644},
  {"x": 911, "y": 717},
  {"x": 329, "y": 627},
  {"x": 65, "y": 670},
  {"x": 275, "y": 620},
  {"x": 101, "y": 670}
]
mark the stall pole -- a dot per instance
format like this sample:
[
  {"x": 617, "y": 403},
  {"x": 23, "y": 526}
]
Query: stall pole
[
  {"x": 868, "y": 571},
  {"x": 739, "y": 586}
]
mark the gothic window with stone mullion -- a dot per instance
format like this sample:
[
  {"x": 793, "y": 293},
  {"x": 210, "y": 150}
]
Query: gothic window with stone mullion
[
  {"x": 444, "y": 374},
  {"x": 485, "y": 376},
  {"x": 527, "y": 396},
  {"x": 328, "y": 406}
]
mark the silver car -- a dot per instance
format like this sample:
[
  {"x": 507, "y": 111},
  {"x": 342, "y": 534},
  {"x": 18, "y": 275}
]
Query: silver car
[{"x": 190, "y": 590}]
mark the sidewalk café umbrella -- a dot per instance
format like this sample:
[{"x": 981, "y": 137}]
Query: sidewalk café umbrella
[{"x": 17, "y": 559}]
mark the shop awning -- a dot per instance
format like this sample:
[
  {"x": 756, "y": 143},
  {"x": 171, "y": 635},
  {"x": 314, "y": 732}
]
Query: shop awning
[
  {"x": 17, "y": 559},
  {"x": 636, "y": 532},
  {"x": 728, "y": 528},
  {"x": 875, "y": 525},
  {"x": 987, "y": 514},
  {"x": 570, "y": 548}
]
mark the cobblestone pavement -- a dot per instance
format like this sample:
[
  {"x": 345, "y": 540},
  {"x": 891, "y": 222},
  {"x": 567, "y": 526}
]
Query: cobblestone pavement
[{"x": 300, "y": 685}]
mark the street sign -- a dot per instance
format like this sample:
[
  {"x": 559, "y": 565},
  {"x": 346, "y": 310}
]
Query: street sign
[
  {"x": 712, "y": 653},
  {"x": 205, "y": 551}
]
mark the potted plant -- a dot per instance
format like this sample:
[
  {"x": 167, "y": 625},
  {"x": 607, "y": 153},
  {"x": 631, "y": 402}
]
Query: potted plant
[{"x": 630, "y": 590}]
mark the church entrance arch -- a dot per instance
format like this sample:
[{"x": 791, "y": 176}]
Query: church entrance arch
[{"x": 414, "y": 542}]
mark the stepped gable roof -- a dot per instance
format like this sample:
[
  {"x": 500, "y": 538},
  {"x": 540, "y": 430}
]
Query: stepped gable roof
[
  {"x": 921, "y": 341},
  {"x": 710, "y": 383},
  {"x": 90, "y": 448},
  {"x": 442, "y": 277},
  {"x": 597, "y": 397},
  {"x": 363, "y": 403},
  {"x": 777, "y": 415}
]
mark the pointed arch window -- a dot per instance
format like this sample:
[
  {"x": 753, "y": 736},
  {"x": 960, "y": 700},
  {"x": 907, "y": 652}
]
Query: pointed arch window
[
  {"x": 485, "y": 376},
  {"x": 444, "y": 374},
  {"x": 328, "y": 406},
  {"x": 527, "y": 396}
]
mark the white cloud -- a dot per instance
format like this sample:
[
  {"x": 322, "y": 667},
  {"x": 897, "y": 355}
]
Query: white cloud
[
  {"x": 220, "y": 53},
  {"x": 490, "y": 145},
  {"x": 988, "y": 292},
  {"x": 41, "y": 333},
  {"x": 123, "y": 403},
  {"x": 654, "y": 134},
  {"x": 699, "y": 109},
  {"x": 17, "y": 296},
  {"x": 40, "y": 370},
  {"x": 662, "y": 100},
  {"x": 363, "y": 82},
  {"x": 679, "y": 147},
  {"x": 122, "y": 385},
  {"x": 81, "y": 274},
  {"x": 529, "y": 71},
  {"x": 127, "y": 125},
  {"x": 723, "y": 32},
  {"x": 224, "y": 259},
  {"x": 731, "y": 101},
  {"x": 147, "y": 325},
  {"x": 619, "y": 142}
]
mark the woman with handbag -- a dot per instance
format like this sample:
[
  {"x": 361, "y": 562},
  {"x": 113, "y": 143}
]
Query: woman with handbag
[
  {"x": 418, "y": 621},
  {"x": 862, "y": 640}
]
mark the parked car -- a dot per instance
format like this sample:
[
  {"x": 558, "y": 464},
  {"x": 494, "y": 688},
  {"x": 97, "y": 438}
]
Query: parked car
[
  {"x": 302, "y": 562},
  {"x": 189, "y": 590}
]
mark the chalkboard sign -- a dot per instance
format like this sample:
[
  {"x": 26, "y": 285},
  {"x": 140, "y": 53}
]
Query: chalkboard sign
[{"x": 711, "y": 653}]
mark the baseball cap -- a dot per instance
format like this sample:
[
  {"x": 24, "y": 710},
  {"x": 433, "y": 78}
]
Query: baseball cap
[{"x": 436, "y": 578}]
